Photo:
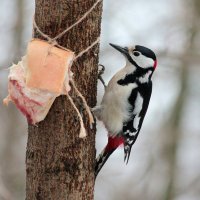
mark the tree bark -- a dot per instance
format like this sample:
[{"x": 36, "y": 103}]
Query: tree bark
[{"x": 60, "y": 165}]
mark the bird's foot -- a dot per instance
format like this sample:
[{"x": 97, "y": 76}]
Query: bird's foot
[{"x": 100, "y": 73}]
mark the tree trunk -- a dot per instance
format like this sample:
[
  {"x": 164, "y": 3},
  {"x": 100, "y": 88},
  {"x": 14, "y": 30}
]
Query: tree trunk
[{"x": 60, "y": 165}]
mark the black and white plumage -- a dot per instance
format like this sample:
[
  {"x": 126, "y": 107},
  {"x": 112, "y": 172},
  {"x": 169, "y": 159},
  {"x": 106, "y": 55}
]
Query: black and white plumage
[{"x": 126, "y": 100}]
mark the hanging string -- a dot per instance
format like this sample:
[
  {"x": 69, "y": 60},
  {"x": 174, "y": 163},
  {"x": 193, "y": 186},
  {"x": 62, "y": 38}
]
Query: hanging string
[
  {"x": 82, "y": 133},
  {"x": 91, "y": 119}
]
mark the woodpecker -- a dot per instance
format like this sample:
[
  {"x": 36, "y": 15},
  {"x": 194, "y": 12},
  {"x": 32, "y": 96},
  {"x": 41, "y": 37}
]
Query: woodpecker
[{"x": 125, "y": 101}]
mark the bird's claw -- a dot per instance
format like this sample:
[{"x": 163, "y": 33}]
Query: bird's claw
[{"x": 100, "y": 73}]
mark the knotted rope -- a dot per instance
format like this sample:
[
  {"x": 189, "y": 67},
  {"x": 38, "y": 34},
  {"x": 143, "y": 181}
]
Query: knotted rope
[{"x": 53, "y": 42}]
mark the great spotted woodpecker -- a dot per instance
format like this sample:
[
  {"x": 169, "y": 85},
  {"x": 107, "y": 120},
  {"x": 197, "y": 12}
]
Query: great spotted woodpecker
[{"x": 125, "y": 101}]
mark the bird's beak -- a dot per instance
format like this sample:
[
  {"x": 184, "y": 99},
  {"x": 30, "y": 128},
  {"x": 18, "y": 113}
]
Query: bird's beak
[{"x": 123, "y": 50}]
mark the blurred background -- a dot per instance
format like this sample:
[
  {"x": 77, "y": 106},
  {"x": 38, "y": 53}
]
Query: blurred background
[{"x": 165, "y": 160}]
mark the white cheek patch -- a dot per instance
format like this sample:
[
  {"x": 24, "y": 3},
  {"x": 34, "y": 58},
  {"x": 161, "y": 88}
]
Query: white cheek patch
[{"x": 143, "y": 61}]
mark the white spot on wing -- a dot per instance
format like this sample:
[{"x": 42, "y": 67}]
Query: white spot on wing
[
  {"x": 136, "y": 112},
  {"x": 129, "y": 141},
  {"x": 132, "y": 133}
]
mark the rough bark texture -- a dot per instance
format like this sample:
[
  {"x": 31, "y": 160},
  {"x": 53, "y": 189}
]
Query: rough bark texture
[{"x": 59, "y": 164}]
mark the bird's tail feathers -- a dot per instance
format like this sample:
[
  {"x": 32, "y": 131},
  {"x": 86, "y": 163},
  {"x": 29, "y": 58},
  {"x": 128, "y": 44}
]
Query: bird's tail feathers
[
  {"x": 127, "y": 152},
  {"x": 113, "y": 144},
  {"x": 101, "y": 160}
]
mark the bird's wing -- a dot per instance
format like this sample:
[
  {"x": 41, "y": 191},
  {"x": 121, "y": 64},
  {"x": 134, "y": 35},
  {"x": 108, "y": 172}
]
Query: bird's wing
[{"x": 139, "y": 100}]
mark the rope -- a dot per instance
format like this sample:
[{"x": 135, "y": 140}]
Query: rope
[
  {"x": 88, "y": 48},
  {"x": 53, "y": 42},
  {"x": 82, "y": 133},
  {"x": 91, "y": 119},
  {"x": 78, "y": 21}
]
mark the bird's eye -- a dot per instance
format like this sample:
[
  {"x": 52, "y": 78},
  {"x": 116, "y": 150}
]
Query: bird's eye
[{"x": 136, "y": 53}]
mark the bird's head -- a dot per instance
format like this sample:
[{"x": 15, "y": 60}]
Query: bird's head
[{"x": 140, "y": 56}]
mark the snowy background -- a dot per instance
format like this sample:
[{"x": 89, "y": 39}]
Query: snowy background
[{"x": 165, "y": 160}]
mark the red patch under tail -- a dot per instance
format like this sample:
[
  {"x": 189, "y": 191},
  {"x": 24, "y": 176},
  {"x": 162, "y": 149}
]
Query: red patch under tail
[{"x": 113, "y": 143}]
